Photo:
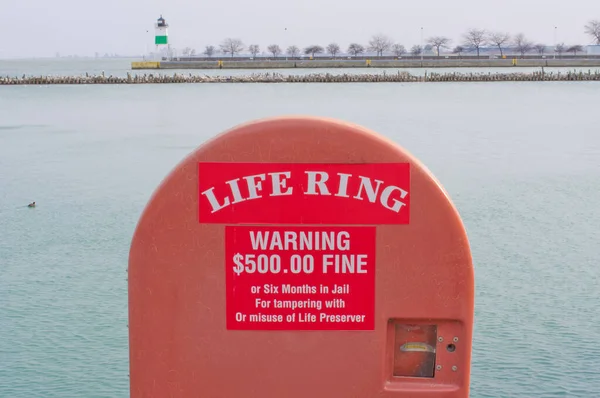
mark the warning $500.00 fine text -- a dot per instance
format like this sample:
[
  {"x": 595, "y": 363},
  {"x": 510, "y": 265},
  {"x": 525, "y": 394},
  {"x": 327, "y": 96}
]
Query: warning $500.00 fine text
[
  {"x": 264, "y": 263},
  {"x": 300, "y": 278}
]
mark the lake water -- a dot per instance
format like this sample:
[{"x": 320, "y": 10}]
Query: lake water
[{"x": 520, "y": 160}]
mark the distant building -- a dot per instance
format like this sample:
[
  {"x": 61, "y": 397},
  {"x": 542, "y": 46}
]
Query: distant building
[{"x": 593, "y": 49}]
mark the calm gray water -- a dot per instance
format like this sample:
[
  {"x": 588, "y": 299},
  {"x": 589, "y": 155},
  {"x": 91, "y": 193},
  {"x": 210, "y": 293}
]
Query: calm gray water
[{"x": 520, "y": 160}]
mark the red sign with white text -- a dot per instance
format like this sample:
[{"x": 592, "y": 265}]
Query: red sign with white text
[
  {"x": 300, "y": 278},
  {"x": 304, "y": 193}
]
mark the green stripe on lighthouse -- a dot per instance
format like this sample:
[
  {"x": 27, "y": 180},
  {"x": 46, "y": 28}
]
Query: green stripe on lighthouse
[{"x": 160, "y": 40}]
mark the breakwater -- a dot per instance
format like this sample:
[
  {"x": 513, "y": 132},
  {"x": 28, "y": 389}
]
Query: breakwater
[
  {"x": 399, "y": 77},
  {"x": 369, "y": 63}
]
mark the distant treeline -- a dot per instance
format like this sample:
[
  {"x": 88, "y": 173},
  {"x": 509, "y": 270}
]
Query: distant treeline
[{"x": 474, "y": 42}]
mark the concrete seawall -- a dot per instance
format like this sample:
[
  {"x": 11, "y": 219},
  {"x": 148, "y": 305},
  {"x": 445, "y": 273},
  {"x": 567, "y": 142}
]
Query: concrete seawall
[
  {"x": 398, "y": 77},
  {"x": 333, "y": 64}
]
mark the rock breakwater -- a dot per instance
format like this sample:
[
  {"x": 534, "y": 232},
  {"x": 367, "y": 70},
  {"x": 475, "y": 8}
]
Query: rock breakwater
[{"x": 400, "y": 77}]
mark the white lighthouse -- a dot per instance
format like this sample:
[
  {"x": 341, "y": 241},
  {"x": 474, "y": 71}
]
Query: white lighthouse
[{"x": 161, "y": 39}]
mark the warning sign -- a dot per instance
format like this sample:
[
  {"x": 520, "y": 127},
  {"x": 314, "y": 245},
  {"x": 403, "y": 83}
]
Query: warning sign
[{"x": 300, "y": 278}]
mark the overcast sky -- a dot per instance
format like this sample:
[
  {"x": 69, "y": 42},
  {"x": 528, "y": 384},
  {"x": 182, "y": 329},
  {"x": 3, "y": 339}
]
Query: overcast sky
[{"x": 42, "y": 27}]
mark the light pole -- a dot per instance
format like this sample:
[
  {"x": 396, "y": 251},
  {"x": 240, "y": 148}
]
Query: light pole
[
  {"x": 422, "y": 46},
  {"x": 146, "y": 39},
  {"x": 287, "y": 38},
  {"x": 555, "y": 28}
]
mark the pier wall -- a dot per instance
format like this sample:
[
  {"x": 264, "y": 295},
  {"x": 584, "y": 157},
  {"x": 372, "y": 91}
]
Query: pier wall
[
  {"x": 145, "y": 65},
  {"x": 334, "y": 64}
]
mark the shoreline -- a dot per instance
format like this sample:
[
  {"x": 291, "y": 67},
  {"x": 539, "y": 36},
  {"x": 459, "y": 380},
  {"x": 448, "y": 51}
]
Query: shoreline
[
  {"x": 368, "y": 63},
  {"x": 268, "y": 77}
]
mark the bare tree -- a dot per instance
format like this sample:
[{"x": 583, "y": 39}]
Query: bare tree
[
  {"x": 293, "y": 51},
  {"x": 499, "y": 39},
  {"x": 209, "y": 51},
  {"x": 232, "y": 46},
  {"x": 186, "y": 51},
  {"x": 355, "y": 49},
  {"x": 193, "y": 52},
  {"x": 274, "y": 49},
  {"x": 593, "y": 30},
  {"x": 398, "y": 50},
  {"x": 560, "y": 49},
  {"x": 475, "y": 39},
  {"x": 416, "y": 50},
  {"x": 314, "y": 49},
  {"x": 575, "y": 49},
  {"x": 333, "y": 49},
  {"x": 439, "y": 42},
  {"x": 254, "y": 49},
  {"x": 458, "y": 50},
  {"x": 540, "y": 48},
  {"x": 380, "y": 44},
  {"x": 522, "y": 45}
]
